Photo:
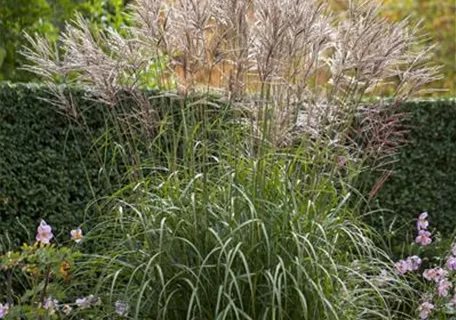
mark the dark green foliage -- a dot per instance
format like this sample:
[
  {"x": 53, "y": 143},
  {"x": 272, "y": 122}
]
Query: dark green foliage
[
  {"x": 47, "y": 166},
  {"x": 424, "y": 177},
  {"x": 53, "y": 167},
  {"x": 50, "y": 164}
]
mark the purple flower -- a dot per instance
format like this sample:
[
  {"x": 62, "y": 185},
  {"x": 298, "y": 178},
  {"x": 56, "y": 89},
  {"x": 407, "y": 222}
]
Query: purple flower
[
  {"x": 4, "y": 310},
  {"x": 422, "y": 222},
  {"x": 44, "y": 233},
  {"x": 451, "y": 263},
  {"x": 121, "y": 308},
  {"x": 424, "y": 238},
  {"x": 402, "y": 267},
  {"x": 444, "y": 287},
  {"x": 414, "y": 263},
  {"x": 83, "y": 303},
  {"x": 425, "y": 310},
  {"x": 50, "y": 305}
]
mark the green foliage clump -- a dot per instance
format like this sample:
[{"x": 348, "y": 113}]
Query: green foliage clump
[{"x": 424, "y": 176}]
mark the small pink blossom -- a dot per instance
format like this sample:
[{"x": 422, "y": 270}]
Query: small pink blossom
[
  {"x": 76, "y": 235},
  {"x": 444, "y": 287},
  {"x": 424, "y": 238},
  {"x": 414, "y": 263},
  {"x": 402, "y": 267},
  {"x": 451, "y": 263},
  {"x": 44, "y": 233},
  {"x": 436, "y": 274},
  {"x": 425, "y": 310},
  {"x": 422, "y": 222},
  {"x": 429, "y": 274},
  {"x": 4, "y": 308},
  {"x": 440, "y": 274}
]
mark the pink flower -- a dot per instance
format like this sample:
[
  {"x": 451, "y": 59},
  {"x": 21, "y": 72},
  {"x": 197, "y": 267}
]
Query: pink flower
[
  {"x": 44, "y": 233},
  {"x": 422, "y": 223},
  {"x": 436, "y": 274},
  {"x": 429, "y": 274},
  {"x": 424, "y": 238},
  {"x": 451, "y": 263},
  {"x": 4, "y": 308},
  {"x": 444, "y": 287},
  {"x": 76, "y": 235},
  {"x": 425, "y": 310},
  {"x": 440, "y": 274},
  {"x": 402, "y": 267},
  {"x": 414, "y": 263}
]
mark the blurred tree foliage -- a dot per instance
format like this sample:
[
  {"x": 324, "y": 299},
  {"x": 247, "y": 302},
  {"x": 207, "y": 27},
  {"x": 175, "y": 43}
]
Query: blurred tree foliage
[
  {"x": 46, "y": 17},
  {"x": 439, "y": 24}
]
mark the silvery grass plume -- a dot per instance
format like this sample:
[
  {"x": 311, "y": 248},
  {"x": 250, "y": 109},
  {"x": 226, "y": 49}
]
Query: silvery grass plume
[{"x": 293, "y": 67}]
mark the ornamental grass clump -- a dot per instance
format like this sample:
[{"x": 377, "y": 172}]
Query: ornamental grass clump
[
  {"x": 250, "y": 239},
  {"x": 239, "y": 200}
]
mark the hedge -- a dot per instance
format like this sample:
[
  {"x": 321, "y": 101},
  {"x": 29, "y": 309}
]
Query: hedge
[
  {"x": 49, "y": 168},
  {"x": 424, "y": 176}
]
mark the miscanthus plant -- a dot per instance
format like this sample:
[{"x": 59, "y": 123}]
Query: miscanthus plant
[
  {"x": 291, "y": 67},
  {"x": 241, "y": 207},
  {"x": 249, "y": 239}
]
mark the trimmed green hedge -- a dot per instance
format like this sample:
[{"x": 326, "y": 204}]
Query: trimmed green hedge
[
  {"x": 46, "y": 162},
  {"x": 50, "y": 164},
  {"x": 50, "y": 169},
  {"x": 424, "y": 177}
]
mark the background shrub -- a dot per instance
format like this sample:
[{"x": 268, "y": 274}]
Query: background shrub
[
  {"x": 53, "y": 166},
  {"x": 50, "y": 165},
  {"x": 47, "y": 168},
  {"x": 424, "y": 176}
]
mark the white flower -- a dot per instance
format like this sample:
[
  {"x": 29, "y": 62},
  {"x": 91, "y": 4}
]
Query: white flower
[
  {"x": 94, "y": 301},
  {"x": 66, "y": 309},
  {"x": 83, "y": 303},
  {"x": 121, "y": 308},
  {"x": 76, "y": 235}
]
